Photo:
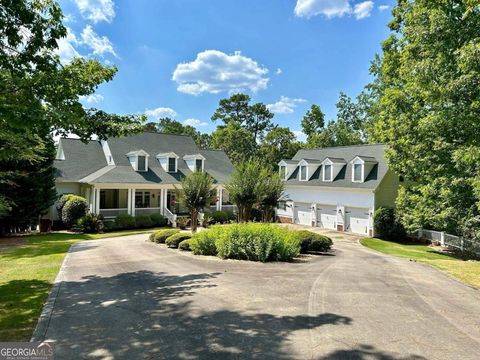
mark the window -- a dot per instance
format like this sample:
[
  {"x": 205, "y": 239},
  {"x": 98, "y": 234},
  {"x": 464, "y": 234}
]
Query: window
[
  {"x": 142, "y": 199},
  {"x": 303, "y": 173},
  {"x": 142, "y": 163},
  {"x": 198, "y": 164},
  {"x": 327, "y": 172},
  {"x": 172, "y": 164},
  {"x": 283, "y": 172},
  {"x": 357, "y": 172}
]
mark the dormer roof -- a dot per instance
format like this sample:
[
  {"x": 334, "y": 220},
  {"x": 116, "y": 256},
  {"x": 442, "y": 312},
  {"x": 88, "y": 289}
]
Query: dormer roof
[
  {"x": 334, "y": 160},
  {"x": 193, "y": 157},
  {"x": 137, "y": 153},
  {"x": 310, "y": 161},
  {"x": 365, "y": 159},
  {"x": 167, "y": 155}
]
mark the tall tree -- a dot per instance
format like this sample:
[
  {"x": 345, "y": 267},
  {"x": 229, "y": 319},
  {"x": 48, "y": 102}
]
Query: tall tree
[
  {"x": 39, "y": 95},
  {"x": 313, "y": 121},
  {"x": 280, "y": 143},
  {"x": 237, "y": 142},
  {"x": 427, "y": 109},
  {"x": 170, "y": 126}
]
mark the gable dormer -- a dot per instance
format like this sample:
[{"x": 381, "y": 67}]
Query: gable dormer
[
  {"x": 331, "y": 168},
  {"x": 361, "y": 167},
  {"x": 139, "y": 160},
  {"x": 195, "y": 162},
  {"x": 60, "y": 154},
  {"x": 306, "y": 168},
  {"x": 169, "y": 161},
  {"x": 286, "y": 168}
]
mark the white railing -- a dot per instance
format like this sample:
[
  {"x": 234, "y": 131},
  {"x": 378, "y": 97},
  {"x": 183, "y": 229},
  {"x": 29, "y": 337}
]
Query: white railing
[
  {"x": 466, "y": 246},
  {"x": 111, "y": 213},
  {"x": 147, "y": 211},
  {"x": 170, "y": 216}
]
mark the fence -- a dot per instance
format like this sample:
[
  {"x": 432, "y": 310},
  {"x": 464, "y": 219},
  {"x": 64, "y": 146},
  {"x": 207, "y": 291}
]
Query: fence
[{"x": 468, "y": 248}]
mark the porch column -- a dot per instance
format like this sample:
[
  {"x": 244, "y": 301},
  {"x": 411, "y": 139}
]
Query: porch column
[
  {"x": 129, "y": 201},
  {"x": 97, "y": 201},
  {"x": 161, "y": 201},
  {"x": 219, "y": 198},
  {"x": 314, "y": 214},
  {"x": 133, "y": 202},
  {"x": 90, "y": 197}
]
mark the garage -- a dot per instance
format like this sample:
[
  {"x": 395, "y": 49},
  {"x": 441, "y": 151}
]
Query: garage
[
  {"x": 327, "y": 216},
  {"x": 357, "y": 220},
  {"x": 303, "y": 214}
]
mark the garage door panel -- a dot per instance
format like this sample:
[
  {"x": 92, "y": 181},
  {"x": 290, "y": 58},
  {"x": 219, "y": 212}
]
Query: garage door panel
[
  {"x": 357, "y": 220},
  {"x": 327, "y": 216},
  {"x": 303, "y": 214}
]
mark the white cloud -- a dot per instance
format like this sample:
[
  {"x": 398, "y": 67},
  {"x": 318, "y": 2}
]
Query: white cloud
[
  {"x": 300, "y": 135},
  {"x": 194, "y": 122},
  {"x": 383, "y": 7},
  {"x": 329, "y": 8},
  {"x": 66, "y": 47},
  {"x": 285, "y": 105},
  {"x": 161, "y": 112},
  {"x": 99, "y": 44},
  {"x": 279, "y": 71},
  {"x": 214, "y": 71},
  {"x": 91, "y": 99},
  {"x": 363, "y": 10},
  {"x": 96, "y": 10}
]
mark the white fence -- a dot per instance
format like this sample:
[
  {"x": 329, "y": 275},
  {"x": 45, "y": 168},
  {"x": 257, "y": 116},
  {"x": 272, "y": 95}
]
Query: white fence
[{"x": 465, "y": 246}]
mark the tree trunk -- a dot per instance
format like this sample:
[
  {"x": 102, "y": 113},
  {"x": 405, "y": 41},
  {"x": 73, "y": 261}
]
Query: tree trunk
[{"x": 194, "y": 214}]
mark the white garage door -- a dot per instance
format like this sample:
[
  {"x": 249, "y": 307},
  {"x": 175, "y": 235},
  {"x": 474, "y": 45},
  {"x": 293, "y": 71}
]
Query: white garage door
[
  {"x": 357, "y": 220},
  {"x": 304, "y": 214},
  {"x": 327, "y": 216}
]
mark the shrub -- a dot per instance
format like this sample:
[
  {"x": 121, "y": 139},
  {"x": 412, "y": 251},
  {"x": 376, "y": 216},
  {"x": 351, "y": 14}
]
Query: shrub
[
  {"x": 158, "y": 220},
  {"x": 310, "y": 241},
  {"x": 91, "y": 223},
  {"x": 143, "y": 221},
  {"x": 61, "y": 203},
  {"x": 230, "y": 215},
  {"x": 219, "y": 217},
  {"x": 109, "y": 225},
  {"x": 203, "y": 243},
  {"x": 255, "y": 215},
  {"x": 124, "y": 221},
  {"x": 73, "y": 209},
  {"x": 386, "y": 225},
  {"x": 185, "y": 245},
  {"x": 257, "y": 242},
  {"x": 161, "y": 235},
  {"x": 182, "y": 222},
  {"x": 175, "y": 239}
]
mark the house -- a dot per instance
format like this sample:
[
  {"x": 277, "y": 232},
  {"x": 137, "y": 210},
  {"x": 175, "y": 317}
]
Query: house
[
  {"x": 337, "y": 188},
  {"x": 137, "y": 174}
]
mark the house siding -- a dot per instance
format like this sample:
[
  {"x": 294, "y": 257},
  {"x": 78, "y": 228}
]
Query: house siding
[{"x": 387, "y": 191}]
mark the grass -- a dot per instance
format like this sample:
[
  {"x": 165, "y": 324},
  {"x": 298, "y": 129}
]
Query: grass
[
  {"x": 27, "y": 272},
  {"x": 466, "y": 271}
]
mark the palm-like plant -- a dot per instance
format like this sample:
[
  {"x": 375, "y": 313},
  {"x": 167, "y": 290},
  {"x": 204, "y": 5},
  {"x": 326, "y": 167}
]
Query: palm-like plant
[
  {"x": 271, "y": 192},
  {"x": 197, "y": 193}
]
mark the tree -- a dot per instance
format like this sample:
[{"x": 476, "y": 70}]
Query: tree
[
  {"x": 170, "y": 126},
  {"x": 245, "y": 187},
  {"x": 237, "y": 142},
  {"x": 426, "y": 107},
  {"x": 198, "y": 193},
  {"x": 236, "y": 109},
  {"x": 280, "y": 143},
  {"x": 313, "y": 121},
  {"x": 39, "y": 95},
  {"x": 271, "y": 192}
]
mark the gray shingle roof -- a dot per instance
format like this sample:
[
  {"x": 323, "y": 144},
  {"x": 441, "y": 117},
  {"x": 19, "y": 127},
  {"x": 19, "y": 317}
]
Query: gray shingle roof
[
  {"x": 86, "y": 162},
  {"x": 344, "y": 178}
]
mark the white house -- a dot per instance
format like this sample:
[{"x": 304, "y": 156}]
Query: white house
[
  {"x": 337, "y": 188},
  {"x": 137, "y": 174}
]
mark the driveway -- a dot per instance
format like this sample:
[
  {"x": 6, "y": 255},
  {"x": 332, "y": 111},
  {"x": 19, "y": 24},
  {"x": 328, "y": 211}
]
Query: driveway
[{"x": 127, "y": 298}]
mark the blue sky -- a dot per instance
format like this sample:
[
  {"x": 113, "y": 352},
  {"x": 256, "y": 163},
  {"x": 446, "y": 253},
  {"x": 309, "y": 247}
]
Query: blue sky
[{"x": 178, "y": 58}]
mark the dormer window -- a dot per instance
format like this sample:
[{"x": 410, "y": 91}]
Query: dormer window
[
  {"x": 195, "y": 162},
  {"x": 357, "y": 172},
  {"x": 172, "y": 164},
  {"x": 138, "y": 160},
  {"x": 303, "y": 173},
  {"x": 283, "y": 172},
  {"x": 198, "y": 165},
  {"x": 327, "y": 172}
]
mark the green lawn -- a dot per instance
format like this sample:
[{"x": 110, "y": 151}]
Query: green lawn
[
  {"x": 27, "y": 273},
  {"x": 467, "y": 271}
]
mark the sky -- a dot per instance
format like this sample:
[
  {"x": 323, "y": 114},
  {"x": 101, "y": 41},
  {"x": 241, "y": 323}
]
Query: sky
[{"x": 178, "y": 58}]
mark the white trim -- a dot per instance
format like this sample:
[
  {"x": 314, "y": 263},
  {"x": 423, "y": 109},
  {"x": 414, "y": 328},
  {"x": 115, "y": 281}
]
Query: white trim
[
  {"x": 362, "y": 172},
  {"x": 280, "y": 171},
  {"x": 194, "y": 157},
  {"x": 137, "y": 152},
  {"x": 300, "y": 172},
  {"x": 107, "y": 152},
  {"x": 60, "y": 154},
  {"x": 166, "y": 155},
  {"x": 329, "y": 163}
]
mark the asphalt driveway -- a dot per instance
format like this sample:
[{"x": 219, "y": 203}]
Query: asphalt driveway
[{"x": 127, "y": 298}]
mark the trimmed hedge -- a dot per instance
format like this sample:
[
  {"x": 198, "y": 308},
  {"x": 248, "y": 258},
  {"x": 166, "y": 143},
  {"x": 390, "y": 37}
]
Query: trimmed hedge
[
  {"x": 219, "y": 217},
  {"x": 74, "y": 208},
  {"x": 143, "y": 221},
  {"x": 124, "y": 221},
  {"x": 161, "y": 235},
  {"x": 91, "y": 223},
  {"x": 247, "y": 241},
  {"x": 310, "y": 241},
  {"x": 174, "y": 240},
  {"x": 158, "y": 220},
  {"x": 185, "y": 245}
]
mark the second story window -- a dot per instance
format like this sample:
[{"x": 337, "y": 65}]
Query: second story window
[
  {"x": 283, "y": 172},
  {"x": 327, "y": 175},
  {"x": 357, "y": 172},
  {"x": 303, "y": 173},
  {"x": 198, "y": 165},
  {"x": 142, "y": 163},
  {"x": 172, "y": 164}
]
